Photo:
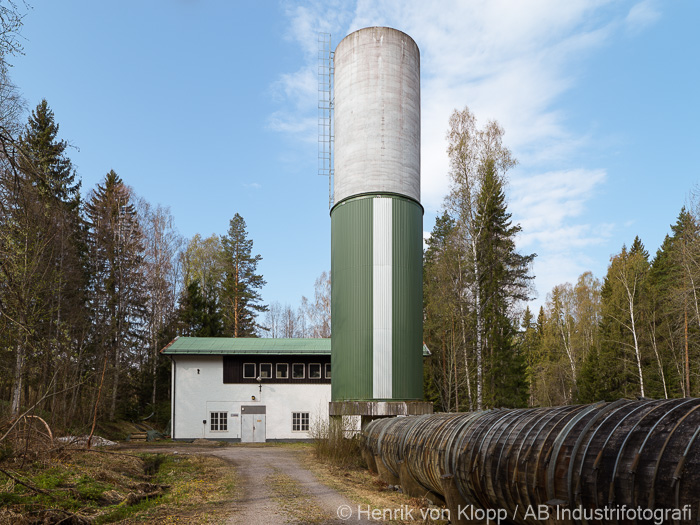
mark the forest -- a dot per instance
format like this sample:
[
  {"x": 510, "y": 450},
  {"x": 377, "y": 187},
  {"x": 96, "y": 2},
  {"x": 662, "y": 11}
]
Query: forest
[
  {"x": 635, "y": 333},
  {"x": 93, "y": 284},
  {"x": 93, "y": 289}
]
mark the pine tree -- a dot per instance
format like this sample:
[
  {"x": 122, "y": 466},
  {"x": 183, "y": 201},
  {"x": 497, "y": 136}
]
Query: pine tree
[{"x": 240, "y": 296}]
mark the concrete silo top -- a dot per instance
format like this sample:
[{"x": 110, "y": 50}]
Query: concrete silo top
[{"x": 377, "y": 114}]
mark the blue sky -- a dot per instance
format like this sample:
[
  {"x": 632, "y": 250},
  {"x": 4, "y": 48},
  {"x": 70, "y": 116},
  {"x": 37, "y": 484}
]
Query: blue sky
[{"x": 210, "y": 108}]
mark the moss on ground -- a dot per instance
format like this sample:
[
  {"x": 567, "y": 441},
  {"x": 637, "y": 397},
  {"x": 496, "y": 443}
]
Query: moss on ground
[{"x": 106, "y": 487}]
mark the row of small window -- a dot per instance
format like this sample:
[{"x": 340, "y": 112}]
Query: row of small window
[
  {"x": 282, "y": 371},
  {"x": 218, "y": 421}
]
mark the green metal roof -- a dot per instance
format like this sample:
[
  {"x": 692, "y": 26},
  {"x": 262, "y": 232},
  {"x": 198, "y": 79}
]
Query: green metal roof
[
  {"x": 250, "y": 345},
  {"x": 246, "y": 345}
]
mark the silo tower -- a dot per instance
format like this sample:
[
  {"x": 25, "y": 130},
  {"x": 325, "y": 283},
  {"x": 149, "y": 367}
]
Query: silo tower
[{"x": 377, "y": 227}]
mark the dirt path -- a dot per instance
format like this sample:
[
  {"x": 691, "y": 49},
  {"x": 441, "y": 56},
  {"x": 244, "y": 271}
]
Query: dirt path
[{"x": 275, "y": 489}]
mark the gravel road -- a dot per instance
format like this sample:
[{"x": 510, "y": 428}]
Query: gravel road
[
  {"x": 259, "y": 502},
  {"x": 275, "y": 489}
]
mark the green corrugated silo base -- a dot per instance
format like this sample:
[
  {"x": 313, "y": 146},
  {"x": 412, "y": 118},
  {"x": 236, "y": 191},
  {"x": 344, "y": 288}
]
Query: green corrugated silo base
[{"x": 352, "y": 295}]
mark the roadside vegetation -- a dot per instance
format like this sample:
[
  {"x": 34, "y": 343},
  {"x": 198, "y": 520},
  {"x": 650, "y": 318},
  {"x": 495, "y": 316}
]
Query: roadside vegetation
[
  {"x": 81, "y": 487},
  {"x": 335, "y": 442},
  {"x": 336, "y": 460}
]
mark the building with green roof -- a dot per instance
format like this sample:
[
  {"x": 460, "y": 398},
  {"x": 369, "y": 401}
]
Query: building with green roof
[{"x": 249, "y": 389}]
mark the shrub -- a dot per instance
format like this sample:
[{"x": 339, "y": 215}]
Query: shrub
[{"x": 336, "y": 441}]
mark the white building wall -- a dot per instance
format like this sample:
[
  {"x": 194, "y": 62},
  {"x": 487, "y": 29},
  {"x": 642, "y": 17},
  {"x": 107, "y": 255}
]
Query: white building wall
[{"x": 198, "y": 389}]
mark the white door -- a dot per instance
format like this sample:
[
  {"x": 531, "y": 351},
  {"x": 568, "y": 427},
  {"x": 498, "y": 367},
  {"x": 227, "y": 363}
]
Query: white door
[{"x": 253, "y": 424}]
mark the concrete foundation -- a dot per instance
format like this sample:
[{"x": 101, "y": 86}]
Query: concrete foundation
[{"x": 377, "y": 409}]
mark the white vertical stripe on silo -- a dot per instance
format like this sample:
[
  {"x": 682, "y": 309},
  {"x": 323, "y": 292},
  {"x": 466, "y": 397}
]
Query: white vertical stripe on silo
[{"x": 381, "y": 298}]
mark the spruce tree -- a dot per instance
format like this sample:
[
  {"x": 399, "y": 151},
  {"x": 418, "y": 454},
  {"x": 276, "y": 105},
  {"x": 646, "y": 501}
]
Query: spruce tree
[
  {"x": 447, "y": 328},
  {"x": 198, "y": 316},
  {"x": 49, "y": 188},
  {"x": 529, "y": 347},
  {"x": 504, "y": 280},
  {"x": 624, "y": 342},
  {"x": 240, "y": 297},
  {"x": 43, "y": 158},
  {"x": 117, "y": 288}
]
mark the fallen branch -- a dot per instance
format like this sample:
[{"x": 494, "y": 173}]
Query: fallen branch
[
  {"x": 47, "y": 394},
  {"x": 48, "y": 429},
  {"x": 110, "y": 452},
  {"x": 27, "y": 484}
]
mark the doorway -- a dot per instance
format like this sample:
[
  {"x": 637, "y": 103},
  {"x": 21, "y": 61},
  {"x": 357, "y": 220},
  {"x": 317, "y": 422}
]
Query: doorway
[{"x": 253, "y": 424}]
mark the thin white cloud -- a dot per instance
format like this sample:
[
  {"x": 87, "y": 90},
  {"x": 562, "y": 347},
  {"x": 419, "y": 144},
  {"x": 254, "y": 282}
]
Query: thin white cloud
[
  {"x": 297, "y": 92},
  {"x": 252, "y": 185},
  {"x": 641, "y": 16},
  {"x": 548, "y": 206},
  {"x": 558, "y": 269},
  {"x": 303, "y": 129},
  {"x": 508, "y": 61}
]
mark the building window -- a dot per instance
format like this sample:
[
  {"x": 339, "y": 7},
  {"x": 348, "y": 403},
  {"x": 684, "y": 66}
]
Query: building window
[
  {"x": 300, "y": 421},
  {"x": 249, "y": 371},
  {"x": 315, "y": 371},
  {"x": 266, "y": 370},
  {"x": 298, "y": 371},
  {"x": 328, "y": 370},
  {"x": 218, "y": 421},
  {"x": 282, "y": 371}
]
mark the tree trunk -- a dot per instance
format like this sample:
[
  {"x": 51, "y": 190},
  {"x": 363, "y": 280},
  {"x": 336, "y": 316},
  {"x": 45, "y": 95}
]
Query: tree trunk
[
  {"x": 658, "y": 359},
  {"x": 115, "y": 386},
  {"x": 17, "y": 386},
  {"x": 633, "y": 329},
  {"x": 479, "y": 331},
  {"x": 154, "y": 369},
  {"x": 687, "y": 361},
  {"x": 466, "y": 359}
]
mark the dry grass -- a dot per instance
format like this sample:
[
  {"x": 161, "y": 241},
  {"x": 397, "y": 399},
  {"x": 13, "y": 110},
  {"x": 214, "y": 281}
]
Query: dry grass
[
  {"x": 335, "y": 443},
  {"x": 294, "y": 500},
  {"x": 366, "y": 489}
]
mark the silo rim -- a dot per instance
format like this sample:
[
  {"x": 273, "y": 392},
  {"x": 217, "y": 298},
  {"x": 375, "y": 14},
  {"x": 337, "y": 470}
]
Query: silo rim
[
  {"x": 379, "y": 27},
  {"x": 370, "y": 194}
]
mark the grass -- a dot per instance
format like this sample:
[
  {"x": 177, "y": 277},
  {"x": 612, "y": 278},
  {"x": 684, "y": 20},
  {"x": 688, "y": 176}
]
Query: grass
[
  {"x": 294, "y": 500},
  {"x": 103, "y": 487},
  {"x": 362, "y": 487}
]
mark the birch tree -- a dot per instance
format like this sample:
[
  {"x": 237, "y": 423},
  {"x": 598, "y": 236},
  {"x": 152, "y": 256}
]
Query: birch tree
[
  {"x": 624, "y": 284},
  {"x": 162, "y": 245},
  {"x": 475, "y": 154}
]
